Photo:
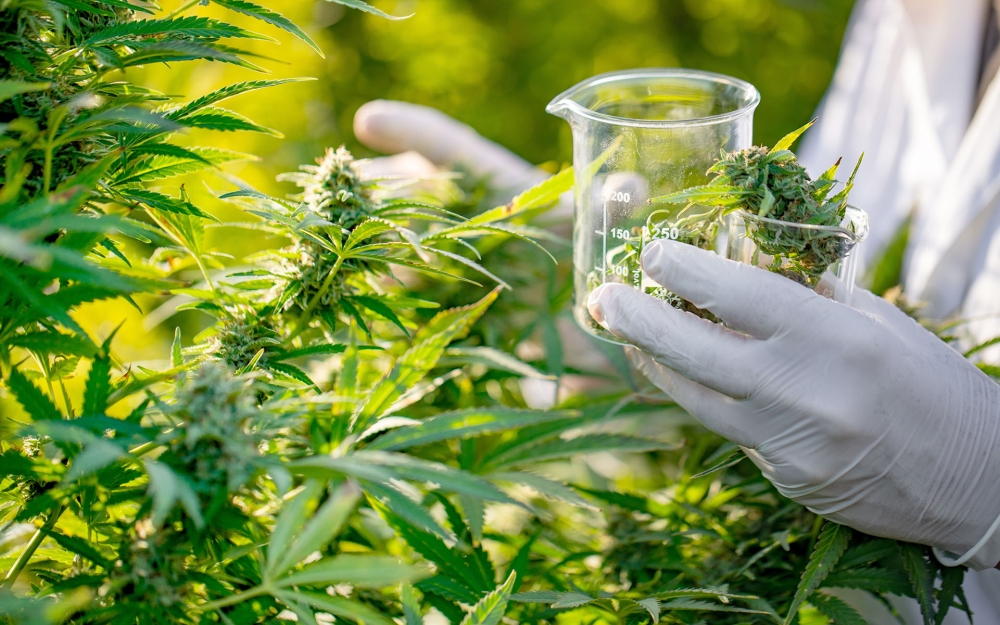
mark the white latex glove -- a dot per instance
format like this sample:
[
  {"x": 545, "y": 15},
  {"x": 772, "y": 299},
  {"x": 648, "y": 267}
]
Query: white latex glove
[
  {"x": 393, "y": 127},
  {"x": 859, "y": 414}
]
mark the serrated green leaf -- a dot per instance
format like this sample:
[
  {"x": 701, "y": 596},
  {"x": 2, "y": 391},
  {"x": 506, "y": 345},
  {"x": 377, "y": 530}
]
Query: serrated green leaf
[
  {"x": 338, "y": 606},
  {"x": 922, "y": 576},
  {"x": 55, "y": 343},
  {"x": 35, "y": 403},
  {"x": 583, "y": 444},
  {"x": 381, "y": 309},
  {"x": 463, "y": 424},
  {"x": 951, "y": 584},
  {"x": 325, "y": 523},
  {"x": 227, "y": 92},
  {"x": 836, "y": 610},
  {"x": 289, "y": 522},
  {"x": 571, "y": 600},
  {"x": 224, "y": 120},
  {"x": 360, "y": 570},
  {"x": 830, "y": 545},
  {"x": 544, "y": 485},
  {"x": 543, "y": 193},
  {"x": 428, "y": 346},
  {"x": 361, "y": 5},
  {"x": 271, "y": 17},
  {"x": 177, "y": 51},
  {"x": 98, "y": 388},
  {"x": 874, "y": 580},
  {"x": 392, "y": 505},
  {"x": 652, "y": 606},
  {"x": 493, "y": 358},
  {"x": 788, "y": 140},
  {"x": 492, "y": 607},
  {"x": 537, "y": 596},
  {"x": 189, "y": 26},
  {"x": 80, "y": 546},
  {"x": 731, "y": 460},
  {"x": 411, "y": 607},
  {"x": 705, "y": 606}
]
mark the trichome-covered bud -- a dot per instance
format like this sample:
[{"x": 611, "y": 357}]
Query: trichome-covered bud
[
  {"x": 334, "y": 189},
  {"x": 241, "y": 334},
  {"x": 216, "y": 442}
]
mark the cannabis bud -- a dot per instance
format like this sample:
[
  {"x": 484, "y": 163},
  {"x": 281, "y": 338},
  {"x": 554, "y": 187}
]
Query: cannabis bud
[
  {"x": 215, "y": 441},
  {"x": 241, "y": 333},
  {"x": 334, "y": 189},
  {"x": 776, "y": 197}
]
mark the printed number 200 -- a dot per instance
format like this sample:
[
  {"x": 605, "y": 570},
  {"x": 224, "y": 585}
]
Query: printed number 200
[{"x": 621, "y": 196}]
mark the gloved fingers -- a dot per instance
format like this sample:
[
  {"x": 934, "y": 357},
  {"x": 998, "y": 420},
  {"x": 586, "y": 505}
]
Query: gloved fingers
[
  {"x": 700, "y": 350},
  {"x": 888, "y": 314},
  {"x": 405, "y": 164},
  {"x": 389, "y": 126},
  {"x": 749, "y": 299},
  {"x": 724, "y": 415}
]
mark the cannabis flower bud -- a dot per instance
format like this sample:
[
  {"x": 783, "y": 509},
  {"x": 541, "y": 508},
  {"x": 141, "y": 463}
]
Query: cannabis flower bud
[
  {"x": 215, "y": 442},
  {"x": 334, "y": 189},
  {"x": 790, "y": 192},
  {"x": 788, "y": 215},
  {"x": 241, "y": 334}
]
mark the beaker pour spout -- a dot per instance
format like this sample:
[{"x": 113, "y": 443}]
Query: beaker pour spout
[{"x": 560, "y": 107}]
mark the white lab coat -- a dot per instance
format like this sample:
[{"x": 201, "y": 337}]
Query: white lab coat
[{"x": 904, "y": 93}]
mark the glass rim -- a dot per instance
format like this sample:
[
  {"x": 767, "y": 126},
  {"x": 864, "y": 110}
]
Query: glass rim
[
  {"x": 857, "y": 237},
  {"x": 566, "y": 99}
]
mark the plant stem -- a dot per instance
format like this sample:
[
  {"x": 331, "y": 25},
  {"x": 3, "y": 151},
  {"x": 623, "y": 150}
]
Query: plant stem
[
  {"x": 47, "y": 170},
  {"x": 234, "y": 599},
  {"x": 143, "y": 449},
  {"x": 32, "y": 546},
  {"x": 300, "y": 323},
  {"x": 182, "y": 8}
]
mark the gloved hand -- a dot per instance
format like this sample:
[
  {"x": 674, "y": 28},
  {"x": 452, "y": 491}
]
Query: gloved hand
[
  {"x": 859, "y": 414},
  {"x": 393, "y": 127}
]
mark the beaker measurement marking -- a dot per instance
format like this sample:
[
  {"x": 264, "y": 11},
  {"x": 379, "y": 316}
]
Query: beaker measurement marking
[
  {"x": 619, "y": 270},
  {"x": 620, "y": 196},
  {"x": 665, "y": 233},
  {"x": 621, "y": 233},
  {"x": 604, "y": 239}
]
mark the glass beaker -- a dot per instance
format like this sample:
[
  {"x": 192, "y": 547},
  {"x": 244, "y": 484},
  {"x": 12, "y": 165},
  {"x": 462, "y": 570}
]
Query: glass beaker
[
  {"x": 820, "y": 257},
  {"x": 640, "y": 134}
]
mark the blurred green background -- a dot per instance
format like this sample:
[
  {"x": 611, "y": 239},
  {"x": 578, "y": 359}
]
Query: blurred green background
[
  {"x": 496, "y": 64},
  {"x": 493, "y": 64}
]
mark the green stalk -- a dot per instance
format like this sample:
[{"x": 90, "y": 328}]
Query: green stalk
[
  {"x": 143, "y": 449},
  {"x": 184, "y": 7},
  {"x": 47, "y": 170},
  {"x": 234, "y": 599},
  {"x": 300, "y": 323},
  {"x": 32, "y": 546}
]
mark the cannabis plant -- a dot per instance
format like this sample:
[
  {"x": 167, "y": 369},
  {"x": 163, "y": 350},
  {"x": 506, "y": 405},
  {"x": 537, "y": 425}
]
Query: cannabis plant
[
  {"x": 774, "y": 195},
  {"x": 347, "y": 436}
]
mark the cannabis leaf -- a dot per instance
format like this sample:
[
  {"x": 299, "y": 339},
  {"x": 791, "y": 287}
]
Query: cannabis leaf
[
  {"x": 490, "y": 609},
  {"x": 830, "y": 546}
]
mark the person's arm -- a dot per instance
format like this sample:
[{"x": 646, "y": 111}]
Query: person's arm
[{"x": 860, "y": 414}]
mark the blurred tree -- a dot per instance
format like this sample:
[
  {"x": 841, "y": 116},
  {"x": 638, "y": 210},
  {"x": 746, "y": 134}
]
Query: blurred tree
[{"x": 495, "y": 65}]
